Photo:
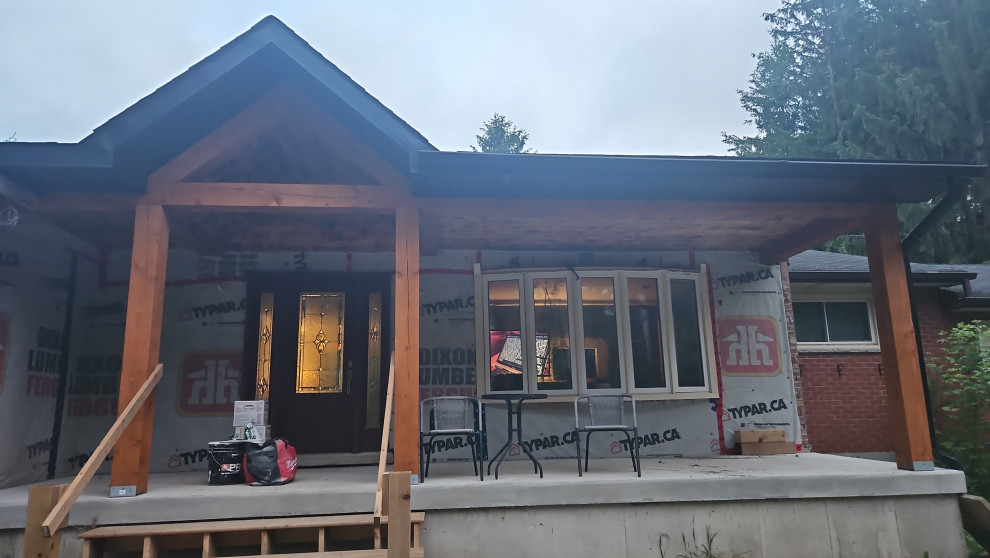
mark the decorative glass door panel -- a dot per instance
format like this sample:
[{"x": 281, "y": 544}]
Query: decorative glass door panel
[{"x": 319, "y": 367}]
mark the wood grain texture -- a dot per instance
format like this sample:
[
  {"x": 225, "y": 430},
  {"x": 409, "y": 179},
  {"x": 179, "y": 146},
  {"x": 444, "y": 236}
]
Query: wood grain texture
[
  {"x": 42, "y": 499},
  {"x": 399, "y": 502},
  {"x": 238, "y": 526},
  {"x": 56, "y": 519},
  {"x": 274, "y": 195},
  {"x": 899, "y": 351},
  {"x": 406, "y": 437},
  {"x": 142, "y": 341}
]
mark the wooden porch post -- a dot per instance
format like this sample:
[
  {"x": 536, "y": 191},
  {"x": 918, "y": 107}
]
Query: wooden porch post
[
  {"x": 142, "y": 340},
  {"x": 901, "y": 371},
  {"x": 406, "y": 404}
]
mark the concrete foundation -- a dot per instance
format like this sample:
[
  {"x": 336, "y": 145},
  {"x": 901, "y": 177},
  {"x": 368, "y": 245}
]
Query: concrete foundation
[{"x": 760, "y": 507}]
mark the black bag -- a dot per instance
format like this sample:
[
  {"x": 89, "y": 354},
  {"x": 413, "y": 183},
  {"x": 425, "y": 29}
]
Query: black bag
[{"x": 273, "y": 462}]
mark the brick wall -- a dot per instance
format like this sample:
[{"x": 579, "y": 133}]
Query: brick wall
[{"x": 845, "y": 399}]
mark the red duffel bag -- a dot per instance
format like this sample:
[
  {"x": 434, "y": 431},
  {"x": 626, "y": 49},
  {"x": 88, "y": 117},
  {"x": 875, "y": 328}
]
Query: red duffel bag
[{"x": 273, "y": 462}]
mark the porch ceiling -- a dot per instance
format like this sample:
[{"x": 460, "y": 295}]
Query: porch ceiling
[{"x": 773, "y": 230}]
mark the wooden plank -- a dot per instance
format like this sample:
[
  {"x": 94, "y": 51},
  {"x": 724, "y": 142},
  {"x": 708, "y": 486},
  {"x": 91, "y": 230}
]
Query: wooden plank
[
  {"x": 321, "y": 539},
  {"x": 150, "y": 549},
  {"x": 42, "y": 499},
  {"x": 271, "y": 524},
  {"x": 406, "y": 333},
  {"x": 750, "y": 436},
  {"x": 976, "y": 518},
  {"x": 766, "y": 448},
  {"x": 899, "y": 351},
  {"x": 142, "y": 340},
  {"x": 267, "y": 546},
  {"x": 91, "y": 549},
  {"x": 259, "y": 117},
  {"x": 209, "y": 546},
  {"x": 399, "y": 502},
  {"x": 56, "y": 519},
  {"x": 267, "y": 195},
  {"x": 386, "y": 429},
  {"x": 369, "y": 553}
]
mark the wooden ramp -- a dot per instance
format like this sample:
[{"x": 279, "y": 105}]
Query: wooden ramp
[
  {"x": 976, "y": 518},
  {"x": 349, "y": 536}
]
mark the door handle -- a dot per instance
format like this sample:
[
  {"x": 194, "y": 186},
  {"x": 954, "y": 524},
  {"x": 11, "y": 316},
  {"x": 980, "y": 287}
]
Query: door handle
[{"x": 350, "y": 376}]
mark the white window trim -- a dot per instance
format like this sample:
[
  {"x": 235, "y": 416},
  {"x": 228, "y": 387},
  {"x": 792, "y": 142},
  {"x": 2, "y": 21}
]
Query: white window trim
[
  {"x": 838, "y": 294},
  {"x": 576, "y": 325}
]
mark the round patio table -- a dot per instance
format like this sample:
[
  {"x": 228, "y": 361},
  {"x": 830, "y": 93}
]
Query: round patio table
[{"x": 513, "y": 407}]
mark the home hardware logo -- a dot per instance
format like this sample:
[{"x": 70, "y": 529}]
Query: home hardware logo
[
  {"x": 748, "y": 346},
  {"x": 210, "y": 383}
]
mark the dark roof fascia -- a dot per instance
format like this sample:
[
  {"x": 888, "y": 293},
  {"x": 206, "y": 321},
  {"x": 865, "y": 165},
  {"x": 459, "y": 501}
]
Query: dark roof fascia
[
  {"x": 966, "y": 304},
  {"x": 270, "y": 30},
  {"x": 17, "y": 154},
  {"x": 929, "y": 278},
  {"x": 467, "y": 174},
  {"x": 465, "y": 161}
]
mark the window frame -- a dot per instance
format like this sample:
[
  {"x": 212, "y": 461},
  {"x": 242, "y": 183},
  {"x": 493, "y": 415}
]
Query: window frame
[
  {"x": 575, "y": 305},
  {"x": 823, "y": 296}
]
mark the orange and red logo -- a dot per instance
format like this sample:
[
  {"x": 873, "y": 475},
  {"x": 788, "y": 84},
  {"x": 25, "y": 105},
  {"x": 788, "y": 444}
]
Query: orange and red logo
[
  {"x": 210, "y": 383},
  {"x": 749, "y": 346}
]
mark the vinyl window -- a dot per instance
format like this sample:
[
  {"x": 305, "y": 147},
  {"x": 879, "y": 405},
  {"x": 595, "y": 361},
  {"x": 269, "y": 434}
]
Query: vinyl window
[{"x": 596, "y": 331}]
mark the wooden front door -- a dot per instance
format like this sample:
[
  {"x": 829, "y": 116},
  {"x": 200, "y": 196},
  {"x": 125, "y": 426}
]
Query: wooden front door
[{"x": 328, "y": 363}]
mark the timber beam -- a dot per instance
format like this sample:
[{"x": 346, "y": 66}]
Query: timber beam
[
  {"x": 899, "y": 350},
  {"x": 406, "y": 404},
  {"x": 142, "y": 341},
  {"x": 248, "y": 195}
]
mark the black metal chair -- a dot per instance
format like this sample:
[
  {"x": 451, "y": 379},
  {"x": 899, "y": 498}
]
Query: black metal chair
[
  {"x": 451, "y": 416},
  {"x": 605, "y": 413}
]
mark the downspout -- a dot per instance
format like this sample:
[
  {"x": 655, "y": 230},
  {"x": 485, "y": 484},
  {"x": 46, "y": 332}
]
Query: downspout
[
  {"x": 63, "y": 367},
  {"x": 954, "y": 193}
]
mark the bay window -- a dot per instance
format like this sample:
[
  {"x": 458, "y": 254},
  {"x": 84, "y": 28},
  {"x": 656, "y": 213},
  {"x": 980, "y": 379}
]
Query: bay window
[{"x": 593, "y": 331}]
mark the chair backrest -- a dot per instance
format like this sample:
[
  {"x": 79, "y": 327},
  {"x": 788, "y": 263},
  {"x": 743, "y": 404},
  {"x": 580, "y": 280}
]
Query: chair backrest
[
  {"x": 606, "y": 410},
  {"x": 451, "y": 412}
]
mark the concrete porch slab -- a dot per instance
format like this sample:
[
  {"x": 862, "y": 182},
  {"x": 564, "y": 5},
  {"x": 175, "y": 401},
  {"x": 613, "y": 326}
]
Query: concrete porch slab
[{"x": 452, "y": 486}]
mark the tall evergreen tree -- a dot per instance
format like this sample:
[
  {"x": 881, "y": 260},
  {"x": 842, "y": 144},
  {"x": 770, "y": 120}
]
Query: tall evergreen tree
[
  {"x": 880, "y": 79},
  {"x": 500, "y": 135}
]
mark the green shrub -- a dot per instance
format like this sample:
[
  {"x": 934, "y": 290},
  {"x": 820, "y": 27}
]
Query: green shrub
[{"x": 960, "y": 388}]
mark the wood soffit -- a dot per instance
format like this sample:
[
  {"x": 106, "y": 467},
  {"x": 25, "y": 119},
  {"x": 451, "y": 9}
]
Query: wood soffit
[
  {"x": 231, "y": 217},
  {"x": 284, "y": 175}
]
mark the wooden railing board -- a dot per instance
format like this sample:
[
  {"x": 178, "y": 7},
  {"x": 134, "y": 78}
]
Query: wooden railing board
[{"x": 56, "y": 519}]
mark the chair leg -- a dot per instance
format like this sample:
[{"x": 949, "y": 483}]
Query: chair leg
[
  {"x": 474, "y": 453},
  {"x": 422, "y": 453},
  {"x": 429, "y": 456},
  {"x": 639, "y": 465},
  {"x": 480, "y": 471},
  {"x": 577, "y": 442},
  {"x": 633, "y": 447},
  {"x": 587, "y": 451}
]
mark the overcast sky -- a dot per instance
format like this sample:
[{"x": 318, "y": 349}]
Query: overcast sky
[{"x": 636, "y": 77}]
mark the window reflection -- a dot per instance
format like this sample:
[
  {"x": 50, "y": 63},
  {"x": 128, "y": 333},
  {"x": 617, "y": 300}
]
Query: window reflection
[
  {"x": 504, "y": 330},
  {"x": 551, "y": 320},
  {"x": 601, "y": 334},
  {"x": 644, "y": 333}
]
